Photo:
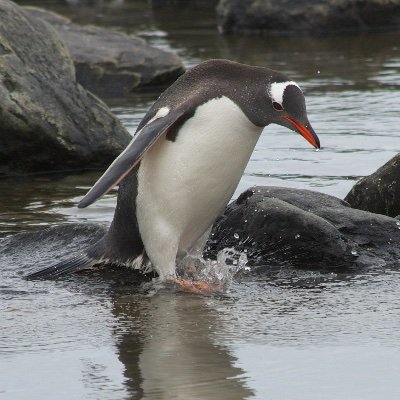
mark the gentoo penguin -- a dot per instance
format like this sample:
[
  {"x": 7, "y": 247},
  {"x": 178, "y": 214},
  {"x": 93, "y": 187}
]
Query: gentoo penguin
[{"x": 184, "y": 162}]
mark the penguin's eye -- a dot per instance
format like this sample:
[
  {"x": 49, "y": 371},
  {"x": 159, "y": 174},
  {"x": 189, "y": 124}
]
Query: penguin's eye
[{"x": 277, "y": 106}]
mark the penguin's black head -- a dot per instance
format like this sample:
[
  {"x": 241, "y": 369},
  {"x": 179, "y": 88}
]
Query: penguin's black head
[{"x": 287, "y": 107}]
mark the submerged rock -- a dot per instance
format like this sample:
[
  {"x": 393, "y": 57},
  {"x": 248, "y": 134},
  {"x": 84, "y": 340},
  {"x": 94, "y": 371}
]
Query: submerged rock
[
  {"x": 380, "y": 191},
  {"x": 47, "y": 121},
  {"x": 22, "y": 253},
  {"x": 306, "y": 229},
  {"x": 317, "y": 17},
  {"x": 110, "y": 63},
  {"x": 44, "y": 248}
]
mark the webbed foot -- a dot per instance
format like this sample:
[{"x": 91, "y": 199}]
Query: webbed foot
[{"x": 198, "y": 287}]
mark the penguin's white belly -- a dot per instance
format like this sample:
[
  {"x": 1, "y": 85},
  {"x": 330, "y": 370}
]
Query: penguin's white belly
[{"x": 183, "y": 186}]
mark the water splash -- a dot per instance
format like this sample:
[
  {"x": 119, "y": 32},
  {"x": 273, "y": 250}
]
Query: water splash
[{"x": 217, "y": 272}]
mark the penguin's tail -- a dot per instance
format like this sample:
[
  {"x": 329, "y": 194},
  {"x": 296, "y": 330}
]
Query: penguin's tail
[{"x": 78, "y": 263}]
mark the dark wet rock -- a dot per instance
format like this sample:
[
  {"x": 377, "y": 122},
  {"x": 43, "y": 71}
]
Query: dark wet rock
[
  {"x": 189, "y": 16},
  {"x": 316, "y": 17},
  {"x": 379, "y": 192},
  {"x": 306, "y": 229},
  {"x": 110, "y": 63},
  {"x": 47, "y": 121},
  {"x": 184, "y": 3}
]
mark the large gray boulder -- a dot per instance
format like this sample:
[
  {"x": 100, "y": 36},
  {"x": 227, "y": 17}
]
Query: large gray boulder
[
  {"x": 47, "y": 121},
  {"x": 109, "y": 63},
  {"x": 307, "y": 17},
  {"x": 301, "y": 228},
  {"x": 380, "y": 191}
]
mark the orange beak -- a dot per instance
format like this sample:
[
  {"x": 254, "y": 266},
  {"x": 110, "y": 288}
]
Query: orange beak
[{"x": 307, "y": 133}]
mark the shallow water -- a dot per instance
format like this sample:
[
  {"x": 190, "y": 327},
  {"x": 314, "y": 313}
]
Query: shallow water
[{"x": 290, "y": 335}]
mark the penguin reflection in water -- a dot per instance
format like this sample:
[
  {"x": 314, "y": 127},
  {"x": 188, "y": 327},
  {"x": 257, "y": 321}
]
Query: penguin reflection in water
[{"x": 184, "y": 163}]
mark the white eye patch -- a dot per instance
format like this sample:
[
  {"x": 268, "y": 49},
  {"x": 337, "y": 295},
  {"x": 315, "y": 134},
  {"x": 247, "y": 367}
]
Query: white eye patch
[{"x": 277, "y": 89}]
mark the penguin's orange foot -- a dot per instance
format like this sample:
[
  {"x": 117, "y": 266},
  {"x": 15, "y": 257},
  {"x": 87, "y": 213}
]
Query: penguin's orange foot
[{"x": 198, "y": 287}]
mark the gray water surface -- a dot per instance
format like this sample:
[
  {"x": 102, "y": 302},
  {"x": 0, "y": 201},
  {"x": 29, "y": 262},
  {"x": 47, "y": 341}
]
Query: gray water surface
[{"x": 289, "y": 335}]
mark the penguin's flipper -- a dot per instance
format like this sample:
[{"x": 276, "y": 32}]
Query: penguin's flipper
[
  {"x": 162, "y": 122},
  {"x": 78, "y": 263}
]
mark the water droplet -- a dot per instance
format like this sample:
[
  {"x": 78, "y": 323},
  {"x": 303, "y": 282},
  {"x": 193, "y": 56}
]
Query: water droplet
[
  {"x": 354, "y": 253},
  {"x": 296, "y": 236},
  {"x": 236, "y": 235},
  {"x": 318, "y": 72},
  {"x": 246, "y": 221}
]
